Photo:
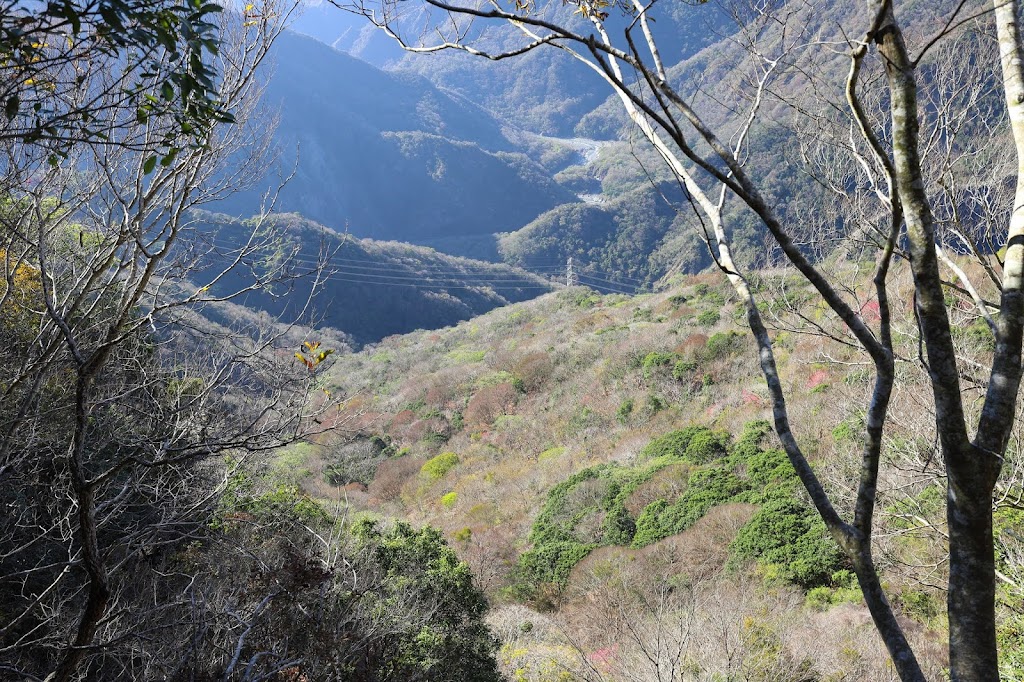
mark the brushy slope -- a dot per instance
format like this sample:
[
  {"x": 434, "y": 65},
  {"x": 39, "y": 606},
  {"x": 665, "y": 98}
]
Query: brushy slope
[{"x": 604, "y": 465}]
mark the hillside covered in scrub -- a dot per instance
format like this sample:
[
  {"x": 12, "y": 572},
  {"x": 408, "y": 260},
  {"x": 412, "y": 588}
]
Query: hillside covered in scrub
[
  {"x": 606, "y": 467},
  {"x": 291, "y": 388}
]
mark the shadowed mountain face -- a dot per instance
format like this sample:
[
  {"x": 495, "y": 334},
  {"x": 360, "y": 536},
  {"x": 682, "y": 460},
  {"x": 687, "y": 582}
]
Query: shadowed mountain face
[
  {"x": 348, "y": 33},
  {"x": 450, "y": 150},
  {"x": 367, "y": 289},
  {"x": 544, "y": 91},
  {"x": 442, "y": 149},
  {"x": 389, "y": 156}
]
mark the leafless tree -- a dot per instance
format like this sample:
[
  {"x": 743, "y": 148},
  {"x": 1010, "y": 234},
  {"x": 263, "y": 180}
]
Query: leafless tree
[
  {"x": 118, "y": 399},
  {"x": 894, "y": 144}
]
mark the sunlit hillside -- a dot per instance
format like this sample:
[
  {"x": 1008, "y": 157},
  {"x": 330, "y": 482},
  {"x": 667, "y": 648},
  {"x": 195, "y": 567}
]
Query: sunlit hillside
[{"x": 604, "y": 465}]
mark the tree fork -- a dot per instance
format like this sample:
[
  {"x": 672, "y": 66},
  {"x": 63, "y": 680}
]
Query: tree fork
[{"x": 971, "y": 597}]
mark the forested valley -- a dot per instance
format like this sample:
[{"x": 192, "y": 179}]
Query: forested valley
[{"x": 387, "y": 340}]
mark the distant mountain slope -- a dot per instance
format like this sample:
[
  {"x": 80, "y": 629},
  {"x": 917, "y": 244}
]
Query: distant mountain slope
[
  {"x": 347, "y": 32},
  {"x": 614, "y": 240},
  {"x": 389, "y": 156},
  {"x": 456, "y": 204},
  {"x": 373, "y": 289},
  {"x": 544, "y": 91}
]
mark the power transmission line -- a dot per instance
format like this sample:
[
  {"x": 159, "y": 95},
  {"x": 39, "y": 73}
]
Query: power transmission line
[{"x": 356, "y": 271}]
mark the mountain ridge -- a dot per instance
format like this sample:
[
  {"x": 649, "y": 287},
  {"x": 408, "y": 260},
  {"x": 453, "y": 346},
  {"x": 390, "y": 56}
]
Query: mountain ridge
[{"x": 369, "y": 289}]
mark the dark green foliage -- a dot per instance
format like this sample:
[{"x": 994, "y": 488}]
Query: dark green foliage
[
  {"x": 387, "y": 448},
  {"x": 682, "y": 369},
  {"x": 705, "y": 489},
  {"x": 695, "y": 444},
  {"x": 721, "y": 345},
  {"x": 754, "y": 433},
  {"x": 708, "y": 318},
  {"x": 707, "y": 445},
  {"x": 619, "y": 526},
  {"x": 395, "y": 603},
  {"x": 615, "y": 238},
  {"x": 435, "y": 437},
  {"x": 770, "y": 471},
  {"x": 649, "y": 526},
  {"x": 380, "y": 603},
  {"x": 653, "y": 362},
  {"x": 750, "y": 439},
  {"x": 413, "y": 612},
  {"x": 655, "y": 403},
  {"x": 625, "y": 409},
  {"x": 418, "y": 571},
  {"x": 551, "y": 563},
  {"x": 556, "y": 521},
  {"x": 174, "y": 42},
  {"x": 790, "y": 537},
  {"x": 567, "y": 528},
  {"x": 595, "y": 493},
  {"x": 672, "y": 444}
]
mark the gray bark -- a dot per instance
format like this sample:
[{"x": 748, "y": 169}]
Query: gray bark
[{"x": 971, "y": 474}]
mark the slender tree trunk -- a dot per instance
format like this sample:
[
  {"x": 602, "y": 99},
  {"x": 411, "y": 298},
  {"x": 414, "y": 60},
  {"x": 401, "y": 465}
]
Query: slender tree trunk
[
  {"x": 973, "y": 655},
  {"x": 971, "y": 597},
  {"x": 902, "y": 654},
  {"x": 853, "y": 543},
  {"x": 99, "y": 588},
  {"x": 974, "y": 469}
]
